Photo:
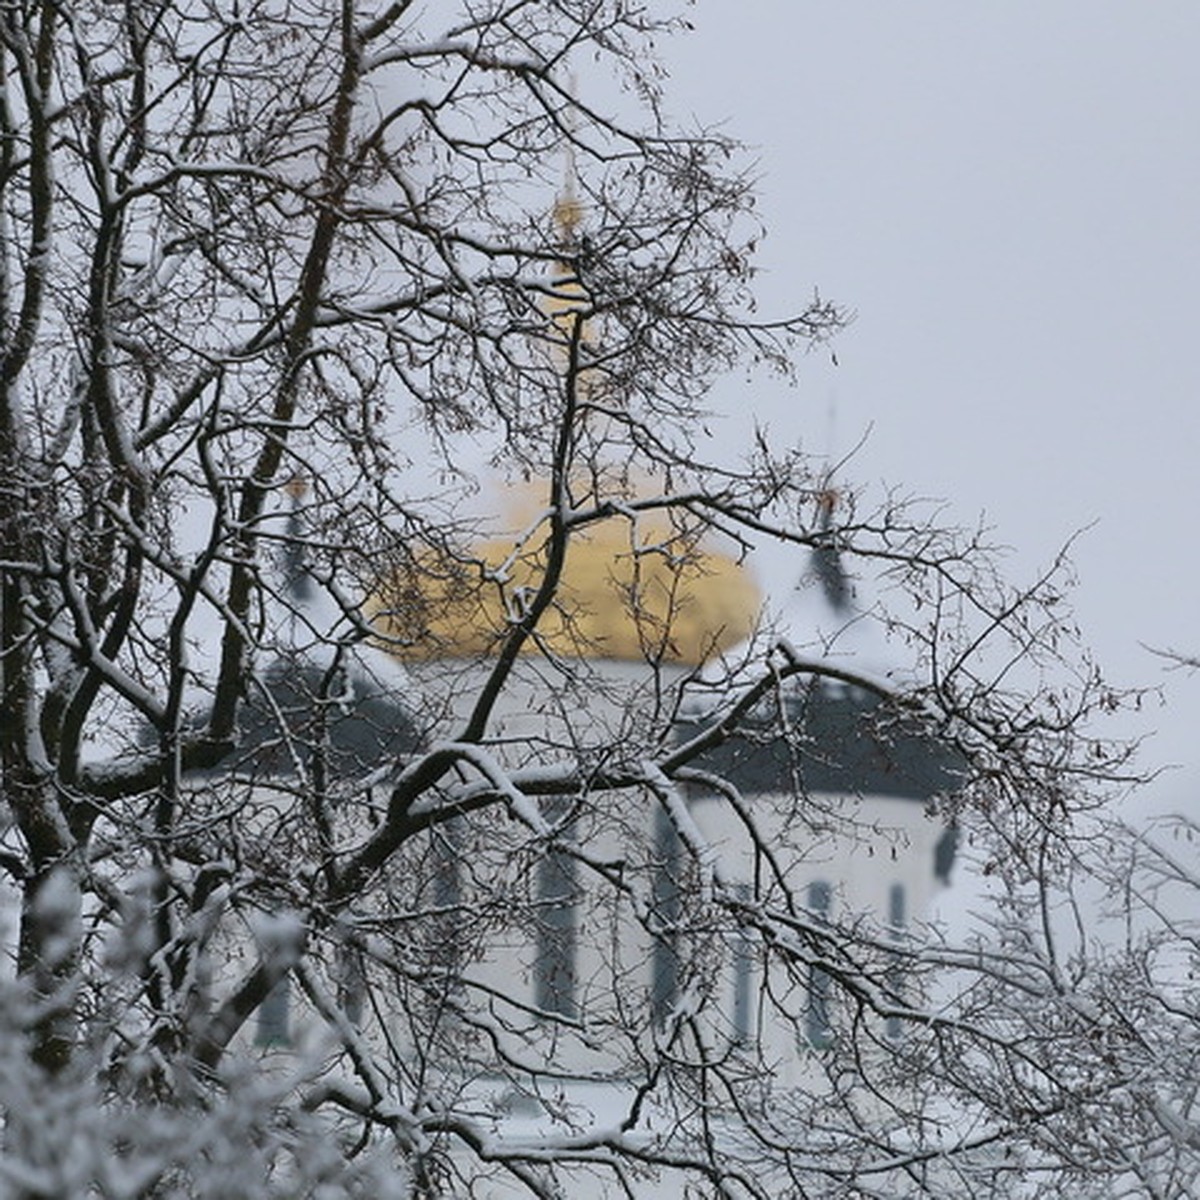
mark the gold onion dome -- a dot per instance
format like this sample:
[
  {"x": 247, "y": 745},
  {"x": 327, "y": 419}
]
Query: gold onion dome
[
  {"x": 655, "y": 595},
  {"x": 628, "y": 592}
]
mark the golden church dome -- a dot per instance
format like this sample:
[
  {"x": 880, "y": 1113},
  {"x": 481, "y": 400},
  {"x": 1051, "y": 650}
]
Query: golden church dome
[
  {"x": 627, "y": 593},
  {"x": 630, "y": 590}
]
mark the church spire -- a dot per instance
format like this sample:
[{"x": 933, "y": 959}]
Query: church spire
[
  {"x": 299, "y": 580},
  {"x": 567, "y": 301},
  {"x": 827, "y": 565},
  {"x": 568, "y": 209}
]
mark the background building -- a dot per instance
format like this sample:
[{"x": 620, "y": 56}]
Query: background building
[{"x": 835, "y": 780}]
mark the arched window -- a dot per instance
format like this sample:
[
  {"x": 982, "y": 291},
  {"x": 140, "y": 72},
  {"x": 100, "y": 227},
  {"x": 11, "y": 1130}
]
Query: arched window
[
  {"x": 743, "y": 977},
  {"x": 818, "y": 1028},
  {"x": 897, "y": 919},
  {"x": 274, "y": 1018},
  {"x": 664, "y": 986},
  {"x": 557, "y": 901}
]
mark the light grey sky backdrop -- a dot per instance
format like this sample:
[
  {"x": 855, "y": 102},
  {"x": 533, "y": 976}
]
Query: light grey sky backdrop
[{"x": 1007, "y": 195}]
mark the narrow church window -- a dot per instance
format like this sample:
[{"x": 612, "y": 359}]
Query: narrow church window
[
  {"x": 897, "y": 918},
  {"x": 664, "y": 985},
  {"x": 743, "y": 971},
  {"x": 447, "y": 894},
  {"x": 352, "y": 982},
  {"x": 554, "y": 967},
  {"x": 274, "y": 1027},
  {"x": 817, "y": 1023}
]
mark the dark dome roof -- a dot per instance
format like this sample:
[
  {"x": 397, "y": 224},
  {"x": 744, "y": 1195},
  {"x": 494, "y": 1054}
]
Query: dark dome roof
[
  {"x": 297, "y": 707},
  {"x": 838, "y": 739},
  {"x": 302, "y": 706}
]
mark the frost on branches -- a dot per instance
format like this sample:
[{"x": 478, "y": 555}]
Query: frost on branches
[{"x": 361, "y": 841}]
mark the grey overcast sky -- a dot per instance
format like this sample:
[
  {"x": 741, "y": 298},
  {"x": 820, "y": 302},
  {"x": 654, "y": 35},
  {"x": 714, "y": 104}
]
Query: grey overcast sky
[{"x": 1007, "y": 195}]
